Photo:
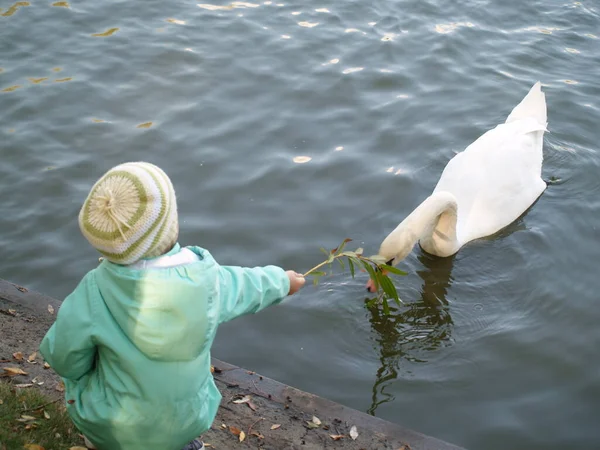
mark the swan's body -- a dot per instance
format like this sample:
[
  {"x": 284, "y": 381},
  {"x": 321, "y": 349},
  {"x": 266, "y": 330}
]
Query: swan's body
[{"x": 482, "y": 189}]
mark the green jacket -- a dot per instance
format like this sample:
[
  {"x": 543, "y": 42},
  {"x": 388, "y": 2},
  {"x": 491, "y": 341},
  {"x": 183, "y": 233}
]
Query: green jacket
[{"x": 133, "y": 347}]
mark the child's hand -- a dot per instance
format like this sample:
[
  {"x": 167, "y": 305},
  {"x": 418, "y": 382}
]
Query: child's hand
[{"x": 296, "y": 281}]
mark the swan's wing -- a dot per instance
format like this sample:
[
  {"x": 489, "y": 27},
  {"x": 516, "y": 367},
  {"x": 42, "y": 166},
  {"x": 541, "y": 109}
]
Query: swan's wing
[{"x": 496, "y": 178}]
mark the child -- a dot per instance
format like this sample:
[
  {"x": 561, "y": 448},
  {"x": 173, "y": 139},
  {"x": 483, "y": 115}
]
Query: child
[{"x": 132, "y": 342}]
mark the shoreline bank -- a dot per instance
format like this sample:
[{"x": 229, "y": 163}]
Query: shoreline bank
[{"x": 271, "y": 415}]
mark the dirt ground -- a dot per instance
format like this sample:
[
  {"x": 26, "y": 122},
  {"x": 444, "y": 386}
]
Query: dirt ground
[{"x": 265, "y": 413}]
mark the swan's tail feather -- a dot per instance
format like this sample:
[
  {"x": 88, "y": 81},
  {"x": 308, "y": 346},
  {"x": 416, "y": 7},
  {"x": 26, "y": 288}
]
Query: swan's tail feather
[{"x": 533, "y": 105}]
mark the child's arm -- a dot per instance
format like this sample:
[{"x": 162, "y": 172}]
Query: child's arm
[
  {"x": 244, "y": 290},
  {"x": 68, "y": 345}
]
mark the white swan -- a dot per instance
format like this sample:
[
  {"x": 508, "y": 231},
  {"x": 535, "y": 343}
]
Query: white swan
[{"x": 482, "y": 189}]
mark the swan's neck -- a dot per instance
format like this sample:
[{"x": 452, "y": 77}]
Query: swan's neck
[{"x": 433, "y": 223}]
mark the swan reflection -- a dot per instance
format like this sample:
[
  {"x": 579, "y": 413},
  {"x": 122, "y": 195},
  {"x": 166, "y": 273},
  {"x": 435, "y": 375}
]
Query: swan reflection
[{"x": 413, "y": 329}]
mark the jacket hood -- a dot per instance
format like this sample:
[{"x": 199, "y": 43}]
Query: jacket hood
[{"x": 165, "y": 312}]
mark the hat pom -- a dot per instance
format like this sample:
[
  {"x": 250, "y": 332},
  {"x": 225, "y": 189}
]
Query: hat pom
[{"x": 131, "y": 213}]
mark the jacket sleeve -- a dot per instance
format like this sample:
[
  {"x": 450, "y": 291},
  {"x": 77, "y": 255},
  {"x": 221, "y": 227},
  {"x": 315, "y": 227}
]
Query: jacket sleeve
[
  {"x": 68, "y": 346},
  {"x": 244, "y": 290}
]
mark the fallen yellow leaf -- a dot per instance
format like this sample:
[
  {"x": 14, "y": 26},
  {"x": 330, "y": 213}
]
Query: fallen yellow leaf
[
  {"x": 46, "y": 365},
  {"x": 336, "y": 437},
  {"x": 18, "y": 356},
  {"x": 242, "y": 436},
  {"x": 60, "y": 386},
  {"x": 32, "y": 357},
  {"x": 50, "y": 309},
  {"x": 275, "y": 426}
]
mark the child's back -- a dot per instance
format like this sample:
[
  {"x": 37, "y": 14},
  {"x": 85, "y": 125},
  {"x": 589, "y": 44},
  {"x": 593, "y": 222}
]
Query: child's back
[{"x": 132, "y": 342}]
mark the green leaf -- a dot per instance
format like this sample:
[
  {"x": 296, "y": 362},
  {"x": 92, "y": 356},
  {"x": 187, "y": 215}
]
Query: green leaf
[
  {"x": 343, "y": 244},
  {"x": 377, "y": 259},
  {"x": 316, "y": 280},
  {"x": 351, "y": 265},
  {"x": 393, "y": 270},
  {"x": 324, "y": 251},
  {"x": 389, "y": 288},
  {"x": 386, "y": 307},
  {"x": 341, "y": 263},
  {"x": 372, "y": 302},
  {"x": 371, "y": 272},
  {"x": 317, "y": 273}
]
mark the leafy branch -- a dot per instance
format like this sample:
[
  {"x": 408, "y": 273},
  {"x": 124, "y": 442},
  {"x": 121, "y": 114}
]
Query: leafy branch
[{"x": 375, "y": 266}]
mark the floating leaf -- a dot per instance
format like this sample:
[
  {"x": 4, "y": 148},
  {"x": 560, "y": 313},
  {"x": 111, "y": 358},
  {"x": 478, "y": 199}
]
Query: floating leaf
[
  {"x": 107, "y": 33},
  {"x": 275, "y": 426},
  {"x": 353, "y": 432}
]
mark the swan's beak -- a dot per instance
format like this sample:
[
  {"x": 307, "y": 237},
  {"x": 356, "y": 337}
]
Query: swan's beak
[{"x": 371, "y": 286}]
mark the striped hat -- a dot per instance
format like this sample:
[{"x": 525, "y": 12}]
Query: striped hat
[{"x": 131, "y": 213}]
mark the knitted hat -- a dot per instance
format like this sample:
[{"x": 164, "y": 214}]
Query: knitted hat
[{"x": 131, "y": 213}]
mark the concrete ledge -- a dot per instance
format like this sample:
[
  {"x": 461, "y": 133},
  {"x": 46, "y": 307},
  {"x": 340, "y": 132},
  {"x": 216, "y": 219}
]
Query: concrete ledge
[{"x": 25, "y": 317}]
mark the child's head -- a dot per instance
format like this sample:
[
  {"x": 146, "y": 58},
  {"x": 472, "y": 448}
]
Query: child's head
[{"x": 131, "y": 213}]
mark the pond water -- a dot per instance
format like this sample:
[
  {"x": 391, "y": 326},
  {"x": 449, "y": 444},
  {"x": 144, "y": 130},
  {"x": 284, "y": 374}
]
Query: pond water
[{"x": 496, "y": 348}]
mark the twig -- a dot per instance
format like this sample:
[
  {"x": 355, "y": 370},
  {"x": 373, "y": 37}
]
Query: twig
[
  {"x": 250, "y": 429},
  {"x": 41, "y": 406},
  {"x": 259, "y": 391}
]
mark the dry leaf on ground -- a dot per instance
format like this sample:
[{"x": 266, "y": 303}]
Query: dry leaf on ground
[
  {"x": 32, "y": 357},
  {"x": 78, "y": 448},
  {"x": 316, "y": 420},
  {"x": 46, "y": 415},
  {"x": 353, "y": 432},
  {"x": 12, "y": 371},
  {"x": 257, "y": 434},
  {"x": 336, "y": 437},
  {"x": 24, "y": 385},
  {"x": 18, "y": 356},
  {"x": 33, "y": 447},
  {"x": 245, "y": 399},
  {"x": 50, "y": 309},
  {"x": 275, "y": 426},
  {"x": 60, "y": 386},
  {"x": 242, "y": 436},
  {"x": 234, "y": 430},
  {"x": 46, "y": 365}
]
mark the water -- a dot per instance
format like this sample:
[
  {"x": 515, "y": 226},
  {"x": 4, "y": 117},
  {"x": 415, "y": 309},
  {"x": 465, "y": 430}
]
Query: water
[{"x": 497, "y": 347}]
